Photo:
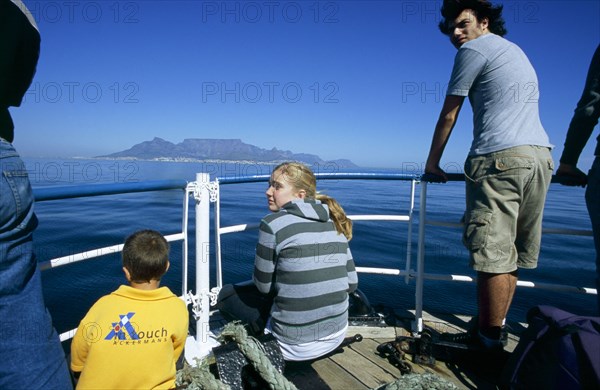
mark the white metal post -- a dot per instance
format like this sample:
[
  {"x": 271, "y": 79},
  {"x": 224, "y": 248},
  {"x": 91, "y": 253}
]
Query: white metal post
[
  {"x": 217, "y": 229},
  {"x": 410, "y": 225},
  {"x": 204, "y": 342},
  {"x": 202, "y": 256},
  {"x": 418, "y": 323},
  {"x": 185, "y": 243}
]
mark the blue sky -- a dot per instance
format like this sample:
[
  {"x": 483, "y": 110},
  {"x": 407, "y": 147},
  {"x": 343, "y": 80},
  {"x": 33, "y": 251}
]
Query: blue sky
[{"x": 362, "y": 80}]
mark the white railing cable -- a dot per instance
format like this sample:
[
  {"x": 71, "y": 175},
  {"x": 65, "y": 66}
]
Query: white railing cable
[
  {"x": 569, "y": 232},
  {"x": 380, "y": 271},
  {"x": 401, "y": 218},
  {"x": 237, "y": 228},
  {"x": 98, "y": 252}
]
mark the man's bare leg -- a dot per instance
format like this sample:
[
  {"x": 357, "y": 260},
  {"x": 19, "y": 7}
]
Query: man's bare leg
[{"x": 495, "y": 293}]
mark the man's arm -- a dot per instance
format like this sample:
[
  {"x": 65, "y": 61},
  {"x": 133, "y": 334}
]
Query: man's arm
[
  {"x": 443, "y": 129},
  {"x": 582, "y": 124}
]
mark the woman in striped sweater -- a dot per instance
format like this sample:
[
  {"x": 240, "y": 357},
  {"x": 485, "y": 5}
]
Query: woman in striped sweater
[
  {"x": 303, "y": 259},
  {"x": 304, "y": 263}
]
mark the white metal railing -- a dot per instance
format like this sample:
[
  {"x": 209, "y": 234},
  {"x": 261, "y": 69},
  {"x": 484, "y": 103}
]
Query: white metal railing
[
  {"x": 204, "y": 191},
  {"x": 419, "y": 274}
]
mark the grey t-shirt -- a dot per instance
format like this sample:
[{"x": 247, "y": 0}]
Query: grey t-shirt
[{"x": 503, "y": 90}]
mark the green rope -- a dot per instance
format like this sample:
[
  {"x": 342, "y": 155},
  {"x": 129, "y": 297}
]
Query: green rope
[
  {"x": 425, "y": 381},
  {"x": 198, "y": 377},
  {"x": 254, "y": 352}
]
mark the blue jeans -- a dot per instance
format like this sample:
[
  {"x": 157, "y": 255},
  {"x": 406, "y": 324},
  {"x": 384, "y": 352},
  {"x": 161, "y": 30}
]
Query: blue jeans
[
  {"x": 243, "y": 302},
  {"x": 592, "y": 200},
  {"x": 31, "y": 354}
]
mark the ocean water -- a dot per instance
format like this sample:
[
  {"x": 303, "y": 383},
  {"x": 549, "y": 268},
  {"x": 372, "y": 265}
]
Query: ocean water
[{"x": 71, "y": 226}]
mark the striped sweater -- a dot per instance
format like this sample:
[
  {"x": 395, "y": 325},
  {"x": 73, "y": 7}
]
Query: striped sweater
[{"x": 307, "y": 265}]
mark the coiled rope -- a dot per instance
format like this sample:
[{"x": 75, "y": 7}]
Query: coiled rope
[
  {"x": 425, "y": 381},
  {"x": 255, "y": 353},
  {"x": 200, "y": 378}
]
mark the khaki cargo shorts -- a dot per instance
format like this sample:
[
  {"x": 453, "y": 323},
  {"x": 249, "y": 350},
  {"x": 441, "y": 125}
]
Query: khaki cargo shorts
[{"x": 505, "y": 195}]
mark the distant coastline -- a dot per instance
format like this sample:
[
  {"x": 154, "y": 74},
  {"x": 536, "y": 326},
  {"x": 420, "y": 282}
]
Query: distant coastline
[
  {"x": 187, "y": 160},
  {"x": 217, "y": 151}
]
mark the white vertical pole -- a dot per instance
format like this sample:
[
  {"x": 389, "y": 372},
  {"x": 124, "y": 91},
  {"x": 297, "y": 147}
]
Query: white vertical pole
[
  {"x": 418, "y": 324},
  {"x": 185, "y": 254},
  {"x": 410, "y": 225},
  {"x": 202, "y": 345},
  {"x": 202, "y": 257},
  {"x": 217, "y": 228}
]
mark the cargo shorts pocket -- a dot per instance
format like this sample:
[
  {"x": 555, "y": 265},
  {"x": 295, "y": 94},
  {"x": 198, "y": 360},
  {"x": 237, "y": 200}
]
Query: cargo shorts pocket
[
  {"x": 510, "y": 164},
  {"x": 476, "y": 231}
]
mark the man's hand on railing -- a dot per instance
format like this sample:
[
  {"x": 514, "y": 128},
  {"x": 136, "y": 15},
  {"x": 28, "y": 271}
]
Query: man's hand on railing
[
  {"x": 434, "y": 175},
  {"x": 570, "y": 175}
]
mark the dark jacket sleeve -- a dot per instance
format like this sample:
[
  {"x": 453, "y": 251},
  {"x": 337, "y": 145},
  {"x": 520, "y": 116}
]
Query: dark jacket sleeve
[
  {"x": 20, "y": 50},
  {"x": 585, "y": 116}
]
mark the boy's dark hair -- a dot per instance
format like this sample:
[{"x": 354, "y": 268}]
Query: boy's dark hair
[
  {"x": 146, "y": 255},
  {"x": 481, "y": 8}
]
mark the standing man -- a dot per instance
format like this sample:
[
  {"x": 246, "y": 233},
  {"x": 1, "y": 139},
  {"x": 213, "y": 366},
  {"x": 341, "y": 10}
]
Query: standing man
[
  {"x": 582, "y": 124},
  {"x": 509, "y": 166},
  {"x": 32, "y": 357}
]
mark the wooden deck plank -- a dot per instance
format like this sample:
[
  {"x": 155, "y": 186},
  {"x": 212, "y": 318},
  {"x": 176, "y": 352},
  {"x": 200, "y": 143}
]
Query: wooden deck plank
[
  {"x": 368, "y": 349},
  {"x": 304, "y": 376},
  {"x": 336, "y": 377},
  {"x": 388, "y": 332},
  {"x": 367, "y": 372}
]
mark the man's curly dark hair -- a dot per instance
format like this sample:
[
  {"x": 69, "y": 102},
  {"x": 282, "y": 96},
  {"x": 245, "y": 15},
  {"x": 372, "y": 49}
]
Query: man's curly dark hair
[{"x": 481, "y": 8}]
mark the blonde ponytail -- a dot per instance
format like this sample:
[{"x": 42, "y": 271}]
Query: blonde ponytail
[{"x": 342, "y": 223}]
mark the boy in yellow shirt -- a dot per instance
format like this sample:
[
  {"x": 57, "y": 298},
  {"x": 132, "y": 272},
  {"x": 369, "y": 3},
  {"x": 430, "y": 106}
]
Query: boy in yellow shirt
[{"x": 133, "y": 337}]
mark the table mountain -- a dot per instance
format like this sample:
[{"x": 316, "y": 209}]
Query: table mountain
[{"x": 217, "y": 149}]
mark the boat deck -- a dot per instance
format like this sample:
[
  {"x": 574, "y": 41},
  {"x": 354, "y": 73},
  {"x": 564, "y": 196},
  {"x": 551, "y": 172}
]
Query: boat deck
[{"x": 360, "y": 366}]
